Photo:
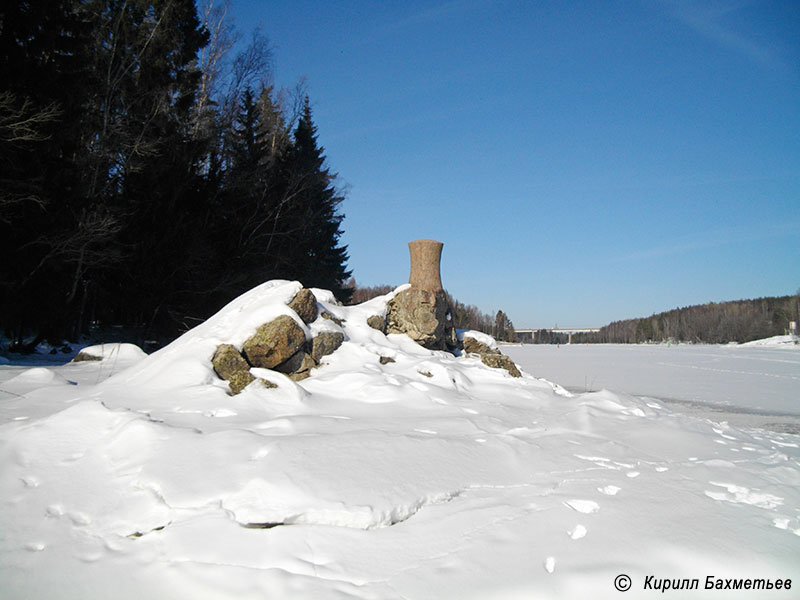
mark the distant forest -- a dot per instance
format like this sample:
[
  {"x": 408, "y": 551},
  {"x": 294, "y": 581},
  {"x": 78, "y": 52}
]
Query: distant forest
[
  {"x": 149, "y": 170},
  {"x": 715, "y": 323}
]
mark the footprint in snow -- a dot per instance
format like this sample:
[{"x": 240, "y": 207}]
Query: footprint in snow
[
  {"x": 577, "y": 532},
  {"x": 550, "y": 564},
  {"x": 609, "y": 490},
  {"x": 737, "y": 494},
  {"x": 783, "y": 523},
  {"x": 79, "y": 519},
  {"x": 583, "y": 506}
]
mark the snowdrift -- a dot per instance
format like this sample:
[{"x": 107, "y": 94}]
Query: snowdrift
[{"x": 422, "y": 475}]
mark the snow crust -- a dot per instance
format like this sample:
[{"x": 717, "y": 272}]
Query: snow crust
[{"x": 428, "y": 477}]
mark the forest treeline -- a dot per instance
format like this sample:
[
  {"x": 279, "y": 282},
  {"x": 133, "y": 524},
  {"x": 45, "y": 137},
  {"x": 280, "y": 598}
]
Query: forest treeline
[
  {"x": 150, "y": 172},
  {"x": 465, "y": 316},
  {"x": 714, "y": 323}
]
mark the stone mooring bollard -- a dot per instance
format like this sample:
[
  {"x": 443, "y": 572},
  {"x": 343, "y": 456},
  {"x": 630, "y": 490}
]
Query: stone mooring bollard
[
  {"x": 422, "y": 311},
  {"x": 426, "y": 257}
]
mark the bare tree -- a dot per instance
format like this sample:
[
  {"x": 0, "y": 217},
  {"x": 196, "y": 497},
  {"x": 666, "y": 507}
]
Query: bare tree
[
  {"x": 212, "y": 57},
  {"x": 21, "y": 124},
  {"x": 21, "y": 121}
]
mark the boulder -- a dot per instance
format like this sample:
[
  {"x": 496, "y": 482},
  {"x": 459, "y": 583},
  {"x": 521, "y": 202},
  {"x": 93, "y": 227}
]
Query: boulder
[
  {"x": 299, "y": 362},
  {"x": 305, "y": 305},
  {"x": 377, "y": 322},
  {"x": 422, "y": 315},
  {"x": 473, "y": 346},
  {"x": 227, "y": 360},
  {"x": 85, "y": 356},
  {"x": 330, "y": 317},
  {"x": 274, "y": 343},
  {"x": 326, "y": 343},
  {"x": 500, "y": 361},
  {"x": 229, "y": 364},
  {"x": 240, "y": 380}
]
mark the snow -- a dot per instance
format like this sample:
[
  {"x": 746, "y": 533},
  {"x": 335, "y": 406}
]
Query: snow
[
  {"x": 754, "y": 385},
  {"x": 775, "y": 341},
  {"x": 428, "y": 477},
  {"x": 124, "y": 352},
  {"x": 477, "y": 335}
]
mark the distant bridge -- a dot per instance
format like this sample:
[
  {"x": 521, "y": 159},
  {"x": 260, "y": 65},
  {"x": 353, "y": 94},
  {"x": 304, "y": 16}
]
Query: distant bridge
[{"x": 529, "y": 335}]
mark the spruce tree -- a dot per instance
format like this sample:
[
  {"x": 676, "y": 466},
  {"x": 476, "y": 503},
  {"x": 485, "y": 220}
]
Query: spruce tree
[
  {"x": 316, "y": 256},
  {"x": 145, "y": 164},
  {"x": 44, "y": 67}
]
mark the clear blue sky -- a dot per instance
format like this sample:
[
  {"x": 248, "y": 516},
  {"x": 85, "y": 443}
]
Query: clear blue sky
[{"x": 582, "y": 162}]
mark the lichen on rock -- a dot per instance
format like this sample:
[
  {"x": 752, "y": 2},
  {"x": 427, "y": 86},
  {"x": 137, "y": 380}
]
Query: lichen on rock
[
  {"x": 274, "y": 343},
  {"x": 299, "y": 362},
  {"x": 231, "y": 366},
  {"x": 326, "y": 342},
  {"x": 227, "y": 360},
  {"x": 305, "y": 305},
  {"x": 330, "y": 317},
  {"x": 239, "y": 380},
  {"x": 473, "y": 346},
  {"x": 500, "y": 361},
  {"x": 377, "y": 322}
]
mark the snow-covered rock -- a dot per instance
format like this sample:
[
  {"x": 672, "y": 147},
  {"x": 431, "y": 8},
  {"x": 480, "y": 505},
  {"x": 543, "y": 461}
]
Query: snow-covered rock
[
  {"x": 116, "y": 351},
  {"x": 478, "y": 336}
]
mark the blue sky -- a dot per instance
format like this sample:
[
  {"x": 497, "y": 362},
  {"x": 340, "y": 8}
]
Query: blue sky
[{"x": 582, "y": 162}]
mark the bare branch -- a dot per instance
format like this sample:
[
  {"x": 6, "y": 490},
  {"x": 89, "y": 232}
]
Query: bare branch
[{"x": 22, "y": 122}]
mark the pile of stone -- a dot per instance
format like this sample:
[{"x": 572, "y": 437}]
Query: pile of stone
[
  {"x": 491, "y": 357},
  {"x": 280, "y": 345},
  {"x": 422, "y": 311}
]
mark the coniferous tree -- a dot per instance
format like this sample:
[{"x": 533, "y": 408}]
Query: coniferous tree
[
  {"x": 144, "y": 170},
  {"x": 137, "y": 190},
  {"x": 315, "y": 223},
  {"x": 244, "y": 217},
  {"x": 45, "y": 76}
]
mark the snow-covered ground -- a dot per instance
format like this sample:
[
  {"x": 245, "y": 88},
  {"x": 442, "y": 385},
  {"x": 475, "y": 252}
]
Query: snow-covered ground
[
  {"x": 428, "y": 477},
  {"x": 755, "y": 384}
]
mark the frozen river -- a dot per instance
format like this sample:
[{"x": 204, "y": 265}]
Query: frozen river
[{"x": 746, "y": 386}]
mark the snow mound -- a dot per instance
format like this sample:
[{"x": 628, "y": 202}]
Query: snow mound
[
  {"x": 392, "y": 472},
  {"x": 123, "y": 352},
  {"x": 36, "y": 377},
  {"x": 780, "y": 341}
]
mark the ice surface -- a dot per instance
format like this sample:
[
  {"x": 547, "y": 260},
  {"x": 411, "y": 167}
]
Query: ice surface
[
  {"x": 747, "y": 385},
  {"x": 428, "y": 477}
]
